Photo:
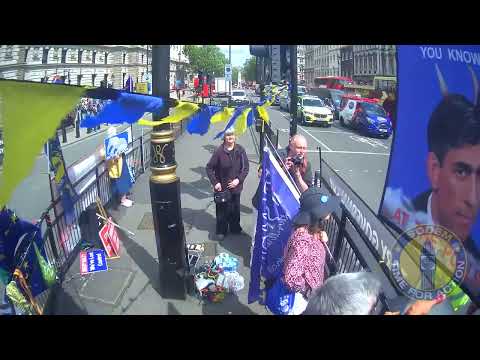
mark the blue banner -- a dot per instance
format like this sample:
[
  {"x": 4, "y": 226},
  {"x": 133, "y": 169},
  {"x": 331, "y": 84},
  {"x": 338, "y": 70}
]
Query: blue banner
[
  {"x": 434, "y": 170},
  {"x": 279, "y": 203},
  {"x": 64, "y": 186}
]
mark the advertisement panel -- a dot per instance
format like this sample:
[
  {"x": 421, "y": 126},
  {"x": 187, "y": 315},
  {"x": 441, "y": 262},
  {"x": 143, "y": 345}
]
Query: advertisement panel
[{"x": 432, "y": 192}]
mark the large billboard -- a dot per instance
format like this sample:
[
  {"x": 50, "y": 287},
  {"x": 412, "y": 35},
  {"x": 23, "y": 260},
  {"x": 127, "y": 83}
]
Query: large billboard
[{"x": 434, "y": 171}]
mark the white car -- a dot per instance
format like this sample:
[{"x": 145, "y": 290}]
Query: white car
[
  {"x": 239, "y": 97},
  {"x": 312, "y": 110},
  {"x": 284, "y": 100}
]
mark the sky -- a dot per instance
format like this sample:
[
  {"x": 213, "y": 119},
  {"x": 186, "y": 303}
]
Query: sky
[{"x": 239, "y": 53}]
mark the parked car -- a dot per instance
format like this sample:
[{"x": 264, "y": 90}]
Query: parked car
[
  {"x": 284, "y": 99},
  {"x": 312, "y": 110},
  {"x": 365, "y": 116},
  {"x": 239, "y": 97}
]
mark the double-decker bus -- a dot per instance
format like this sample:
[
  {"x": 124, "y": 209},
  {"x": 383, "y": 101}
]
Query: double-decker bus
[
  {"x": 382, "y": 87},
  {"x": 332, "y": 82}
]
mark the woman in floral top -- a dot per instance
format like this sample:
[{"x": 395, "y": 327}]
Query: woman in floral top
[{"x": 305, "y": 253}]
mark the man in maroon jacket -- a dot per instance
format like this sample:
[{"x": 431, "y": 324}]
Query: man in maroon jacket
[{"x": 227, "y": 170}]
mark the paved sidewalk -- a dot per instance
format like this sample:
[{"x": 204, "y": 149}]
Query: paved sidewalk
[{"x": 131, "y": 285}]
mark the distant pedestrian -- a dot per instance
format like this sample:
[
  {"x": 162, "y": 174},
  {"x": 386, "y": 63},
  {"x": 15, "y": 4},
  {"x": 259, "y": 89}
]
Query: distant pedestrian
[{"x": 227, "y": 170}]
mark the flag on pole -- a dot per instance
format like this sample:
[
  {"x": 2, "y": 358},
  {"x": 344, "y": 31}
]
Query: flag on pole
[{"x": 279, "y": 203}]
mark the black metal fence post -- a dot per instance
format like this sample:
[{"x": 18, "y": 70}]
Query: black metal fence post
[
  {"x": 142, "y": 160},
  {"x": 64, "y": 133},
  {"x": 97, "y": 180},
  {"x": 77, "y": 126},
  {"x": 262, "y": 140},
  {"x": 341, "y": 234},
  {"x": 51, "y": 238}
]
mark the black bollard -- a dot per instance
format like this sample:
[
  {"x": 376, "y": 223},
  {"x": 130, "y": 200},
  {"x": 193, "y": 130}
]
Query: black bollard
[
  {"x": 77, "y": 127},
  {"x": 64, "y": 133}
]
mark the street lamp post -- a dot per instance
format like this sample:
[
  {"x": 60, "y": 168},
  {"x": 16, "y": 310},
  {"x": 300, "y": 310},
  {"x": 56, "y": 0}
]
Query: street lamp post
[{"x": 165, "y": 188}]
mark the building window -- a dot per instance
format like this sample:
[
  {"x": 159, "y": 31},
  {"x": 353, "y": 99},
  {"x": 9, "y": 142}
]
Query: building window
[
  {"x": 35, "y": 55},
  {"x": 55, "y": 53},
  {"x": 9, "y": 53},
  {"x": 45, "y": 56}
]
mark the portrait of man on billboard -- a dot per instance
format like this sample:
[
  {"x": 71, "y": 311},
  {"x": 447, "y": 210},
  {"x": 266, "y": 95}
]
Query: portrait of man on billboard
[
  {"x": 453, "y": 164},
  {"x": 434, "y": 169}
]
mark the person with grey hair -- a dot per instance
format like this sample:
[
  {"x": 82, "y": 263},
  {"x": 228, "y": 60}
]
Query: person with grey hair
[
  {"x": 227, "y": 170},
  {"x": 295, "y": 159},
  {"x": 345, "y": 294},
  {"x": 357, "y": 294}
]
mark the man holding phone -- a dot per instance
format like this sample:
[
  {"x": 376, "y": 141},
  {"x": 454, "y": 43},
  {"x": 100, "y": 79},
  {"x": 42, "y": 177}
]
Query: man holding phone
[{"x": 296, "y": 163}]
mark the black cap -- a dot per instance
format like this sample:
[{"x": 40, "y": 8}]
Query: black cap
[{"x": 315, "y": 204}]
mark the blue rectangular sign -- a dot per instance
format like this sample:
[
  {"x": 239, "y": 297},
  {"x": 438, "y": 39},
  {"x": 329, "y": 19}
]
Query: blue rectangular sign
[{"x": 93, "y": 261}]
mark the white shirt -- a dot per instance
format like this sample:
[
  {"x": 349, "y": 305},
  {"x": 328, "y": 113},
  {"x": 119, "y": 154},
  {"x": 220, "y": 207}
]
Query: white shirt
[{"x": 429, "y": 211}]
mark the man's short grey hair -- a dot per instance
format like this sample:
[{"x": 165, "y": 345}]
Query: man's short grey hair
[
  {"x": 345, "y": 294},
  {"x": 229, "y": 131}
]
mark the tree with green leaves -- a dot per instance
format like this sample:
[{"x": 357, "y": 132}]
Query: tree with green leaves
[
  {"x": 249, "y": 69},
  {"x": 206, "y": 58}
]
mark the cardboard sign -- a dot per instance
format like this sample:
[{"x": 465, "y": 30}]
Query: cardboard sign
[
  {"x": 110, "y": 240},
  {"x": 141, "y": 87},
  {"x": 92, "y": 261}
]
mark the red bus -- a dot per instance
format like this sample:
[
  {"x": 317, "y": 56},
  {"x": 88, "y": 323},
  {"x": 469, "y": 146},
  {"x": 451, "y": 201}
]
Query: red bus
[{"x": 332, "y": 82}]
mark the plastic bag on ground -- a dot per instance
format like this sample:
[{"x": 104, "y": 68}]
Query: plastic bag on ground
[
  {"x": 226, "y": 262},
  {"x": 233, "y": 281}
]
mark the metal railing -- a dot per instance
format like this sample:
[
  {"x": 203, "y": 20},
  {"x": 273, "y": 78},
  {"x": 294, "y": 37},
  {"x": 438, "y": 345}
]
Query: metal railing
[
  {"x": 349, "y": 245},
  {"x": 61, "y": 232}
]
